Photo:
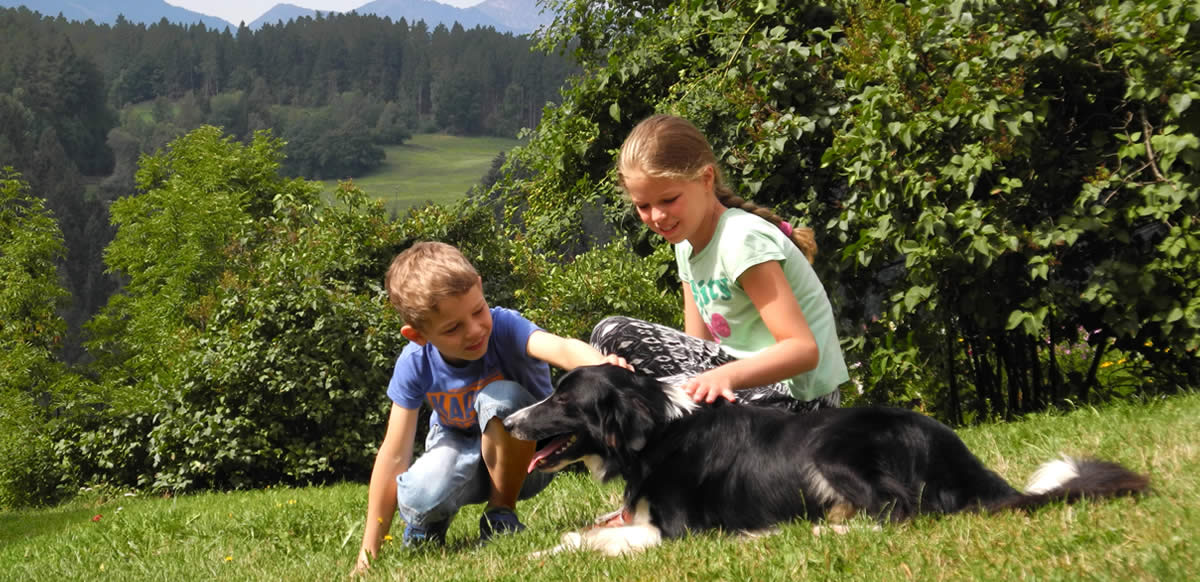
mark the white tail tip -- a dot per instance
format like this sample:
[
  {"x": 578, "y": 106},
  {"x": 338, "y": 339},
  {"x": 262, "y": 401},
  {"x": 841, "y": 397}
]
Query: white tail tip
[{"x": 1051, "y": 475}]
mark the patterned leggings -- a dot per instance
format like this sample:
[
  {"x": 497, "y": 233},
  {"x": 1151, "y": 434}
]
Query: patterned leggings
[{"x": 673, "y": 356}]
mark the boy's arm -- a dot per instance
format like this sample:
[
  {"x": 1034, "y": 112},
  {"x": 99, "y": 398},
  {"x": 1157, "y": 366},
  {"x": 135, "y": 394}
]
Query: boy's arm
[
  {"x": 393, "y": 458},
  {"x": 566, "y": 353}
]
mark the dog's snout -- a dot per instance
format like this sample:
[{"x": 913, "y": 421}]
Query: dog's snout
[{"x": 512, "y": 422}]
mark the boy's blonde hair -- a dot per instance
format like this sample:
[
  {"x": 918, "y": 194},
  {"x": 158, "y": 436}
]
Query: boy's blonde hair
[
  {"x": 423, "y": 275},
  {"x": 667, "y": 146}
]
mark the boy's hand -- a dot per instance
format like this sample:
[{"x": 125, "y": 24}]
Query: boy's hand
[
  {"x": 364, "y": 564},
  {"x": 616, "y": 360}
]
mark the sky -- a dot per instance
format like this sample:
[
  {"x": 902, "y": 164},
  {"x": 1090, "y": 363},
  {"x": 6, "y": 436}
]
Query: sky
[{"x": 237, "y": 11}]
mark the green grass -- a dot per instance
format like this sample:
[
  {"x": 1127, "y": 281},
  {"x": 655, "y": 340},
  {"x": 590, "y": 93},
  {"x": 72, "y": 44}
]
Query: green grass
[
  {"x": 430, "y": 167},
  {"x": 313, "y": 533}
]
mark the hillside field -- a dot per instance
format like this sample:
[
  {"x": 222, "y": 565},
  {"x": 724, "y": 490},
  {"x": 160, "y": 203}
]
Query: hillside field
[{"x": 430, "y": 167}]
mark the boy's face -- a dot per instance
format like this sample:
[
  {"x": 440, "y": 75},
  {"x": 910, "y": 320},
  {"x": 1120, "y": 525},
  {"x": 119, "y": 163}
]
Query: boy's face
[{"x": 459, "y": 329}]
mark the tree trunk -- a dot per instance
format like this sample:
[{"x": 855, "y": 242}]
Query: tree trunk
[{"x": 954, "y": 412}]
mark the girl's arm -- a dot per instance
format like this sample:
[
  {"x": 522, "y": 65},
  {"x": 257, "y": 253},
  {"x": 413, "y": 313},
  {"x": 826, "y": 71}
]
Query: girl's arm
[
  {"x": 795, "y": 350},
  {"x": 693, "y": 325},
  {"x": 393, "y": 458}
]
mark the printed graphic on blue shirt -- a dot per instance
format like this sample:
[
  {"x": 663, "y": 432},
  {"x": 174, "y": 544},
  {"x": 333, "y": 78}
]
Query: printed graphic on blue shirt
[{"x": 456, "y": 407}]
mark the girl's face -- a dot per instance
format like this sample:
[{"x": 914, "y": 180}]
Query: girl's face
[{"x": 673, "y": 208}]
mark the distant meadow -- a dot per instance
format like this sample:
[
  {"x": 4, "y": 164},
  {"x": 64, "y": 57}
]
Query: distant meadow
[{"x": 436, "y": 168}]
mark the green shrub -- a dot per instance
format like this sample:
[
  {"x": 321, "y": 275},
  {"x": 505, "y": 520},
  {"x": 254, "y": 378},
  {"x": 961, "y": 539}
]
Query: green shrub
[
  {"x": 571, "y": 298},
  {"x": 29, "y": 475},
  {"x": 30, "y": 330}
]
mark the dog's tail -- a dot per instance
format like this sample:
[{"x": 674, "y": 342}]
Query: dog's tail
[{"x": 1068, "y": 480}]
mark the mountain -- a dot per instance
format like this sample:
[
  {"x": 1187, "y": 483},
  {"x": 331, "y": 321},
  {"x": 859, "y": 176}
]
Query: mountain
[
  {"x": 429, "y": 11},
  {"x": 517, "y": 15},
  {"x": 282, "y": 13},
  {"x": 106, "y": 11}
]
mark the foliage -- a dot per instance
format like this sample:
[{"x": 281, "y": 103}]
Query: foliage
[
  {"x": 984, "y": 178},
  {"x": 991, "y": 185},
  {"x": 30, "y": 243},
  {"x": 30, "y": 331},
  {"x": 304, "y": 62},
  {"x": 324, "y": 145},
  {"x": 53, "y": 123},
  {"x": 1033, "y": 169},
  {"x": 569, "y": 298},
  {"x": 61, "y": 83},
  {"x": 285, "y": 383},
  {"x": 254, "y": 350}
]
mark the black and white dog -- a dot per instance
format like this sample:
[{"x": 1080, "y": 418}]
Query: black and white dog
[{"x": 690, "y": 468}]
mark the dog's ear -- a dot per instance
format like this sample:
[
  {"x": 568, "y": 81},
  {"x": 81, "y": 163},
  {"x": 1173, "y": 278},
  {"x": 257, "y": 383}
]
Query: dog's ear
[{"x": 625, "y": 422}]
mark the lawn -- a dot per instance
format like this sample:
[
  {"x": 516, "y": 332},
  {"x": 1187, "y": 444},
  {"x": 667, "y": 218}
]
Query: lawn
[
  {"x": 313, "y": 533},
  {"x": 430, "y": 167}
]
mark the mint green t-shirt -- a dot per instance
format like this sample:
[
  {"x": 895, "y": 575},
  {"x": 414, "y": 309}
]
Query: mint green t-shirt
[{"x": 743, "y": 240}]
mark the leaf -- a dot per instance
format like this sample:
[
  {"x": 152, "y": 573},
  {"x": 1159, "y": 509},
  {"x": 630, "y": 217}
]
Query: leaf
[
  {"x": 1179, "y": 102},
  {"x": 915, "y": 296},
  {"x": 1017, "y": 317}
]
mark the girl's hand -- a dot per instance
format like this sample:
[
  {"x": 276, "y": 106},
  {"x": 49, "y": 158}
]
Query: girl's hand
[{"x": 709, "y": 386}]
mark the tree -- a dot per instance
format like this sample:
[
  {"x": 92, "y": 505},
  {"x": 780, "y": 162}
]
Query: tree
[
  {"x": 30, "y": 331},
  {"x": 985, "y": 180},
  {"x": 1037, "y": 185},
  {"x": 255, "y": 350}
]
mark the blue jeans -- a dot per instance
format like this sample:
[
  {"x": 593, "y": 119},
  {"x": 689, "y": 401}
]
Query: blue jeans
[{"x": 452, "y": 473}]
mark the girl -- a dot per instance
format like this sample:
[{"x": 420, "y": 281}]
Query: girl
[{"x": 758, "y": 326}]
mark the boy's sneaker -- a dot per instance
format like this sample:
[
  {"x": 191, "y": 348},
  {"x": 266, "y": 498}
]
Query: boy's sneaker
[
  {"x": 497, "y": 521},
  {"x": 434, "y": 533}
]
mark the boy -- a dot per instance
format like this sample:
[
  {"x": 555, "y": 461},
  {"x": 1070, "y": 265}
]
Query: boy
[{"x": 474, "y": 365}]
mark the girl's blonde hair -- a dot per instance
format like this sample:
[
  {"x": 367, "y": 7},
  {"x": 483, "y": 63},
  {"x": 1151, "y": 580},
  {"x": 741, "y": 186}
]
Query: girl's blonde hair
[
  {"x": 667, "y": 146},
  {"x": 423, "y": 275}
]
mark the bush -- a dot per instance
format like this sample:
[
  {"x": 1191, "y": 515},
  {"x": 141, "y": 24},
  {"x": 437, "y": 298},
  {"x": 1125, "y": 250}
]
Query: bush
[
  {"x": 30, "y": 330},
  {"x": 984, "y": 178},
  {"x": 29, "y": 472}
]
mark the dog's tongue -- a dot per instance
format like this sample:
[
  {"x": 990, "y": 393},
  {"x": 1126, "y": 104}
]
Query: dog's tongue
[{"x": 544, "y": 452}]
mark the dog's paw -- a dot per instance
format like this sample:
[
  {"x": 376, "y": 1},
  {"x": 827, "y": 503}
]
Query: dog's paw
[
  {"x": 570, "y": 541},
  {"x": 837, "y": 528},
  {"x": 842, "y": 528},
  {"x": 746, "y": 535}
]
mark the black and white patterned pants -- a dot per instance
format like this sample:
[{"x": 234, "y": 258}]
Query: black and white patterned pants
[{"x": 673, "y": 357}]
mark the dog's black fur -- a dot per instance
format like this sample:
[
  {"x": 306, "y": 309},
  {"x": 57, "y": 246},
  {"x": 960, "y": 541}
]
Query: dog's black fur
[{"x": 690, "y": 468}]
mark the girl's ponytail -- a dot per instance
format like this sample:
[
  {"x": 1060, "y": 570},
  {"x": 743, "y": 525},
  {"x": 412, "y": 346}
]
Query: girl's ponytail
[{"x": 803, "y": 237}]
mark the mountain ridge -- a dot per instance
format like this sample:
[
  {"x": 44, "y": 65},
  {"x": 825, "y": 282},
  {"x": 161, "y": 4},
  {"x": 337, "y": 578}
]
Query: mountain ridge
[{"x": 515, "y": 16}]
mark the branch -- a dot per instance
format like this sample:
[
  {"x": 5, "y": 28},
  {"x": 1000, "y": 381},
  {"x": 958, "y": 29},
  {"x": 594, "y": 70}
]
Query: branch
[{"x": 1149, "y": 131}]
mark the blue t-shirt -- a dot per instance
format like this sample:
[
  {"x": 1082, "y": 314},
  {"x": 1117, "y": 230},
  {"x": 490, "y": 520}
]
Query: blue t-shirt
[{"x": 421, "y": 374}]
